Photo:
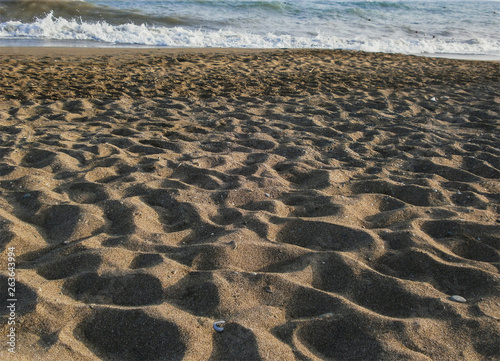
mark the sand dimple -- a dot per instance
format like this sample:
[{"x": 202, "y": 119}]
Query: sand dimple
[
  {"x": 115, "y": 289},
  {"x": 86, "y": 192},
  {"x": 322, "y": 235},
  {"x": 148, "y": 337},
  {"x": 317, "y": 201}
]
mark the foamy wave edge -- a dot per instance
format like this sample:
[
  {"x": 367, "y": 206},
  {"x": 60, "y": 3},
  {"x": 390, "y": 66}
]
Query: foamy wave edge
[{"x": 52, "y": 28}]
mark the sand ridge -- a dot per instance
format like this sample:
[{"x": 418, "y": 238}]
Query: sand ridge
[{"x": 325, "y": 204}]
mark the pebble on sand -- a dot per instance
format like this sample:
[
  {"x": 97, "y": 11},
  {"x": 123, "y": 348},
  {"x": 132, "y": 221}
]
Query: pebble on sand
[
  {"x": 219, "y": 326},
  {"x": 457, "y": 298}
]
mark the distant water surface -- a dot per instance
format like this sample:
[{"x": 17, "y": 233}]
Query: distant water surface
[{"x": 446, "y": 27}]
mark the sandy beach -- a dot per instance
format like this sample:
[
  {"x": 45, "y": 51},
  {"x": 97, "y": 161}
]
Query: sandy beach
[{"x": 327, "y": 205}]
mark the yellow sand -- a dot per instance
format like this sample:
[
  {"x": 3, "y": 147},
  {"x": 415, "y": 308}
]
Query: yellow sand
[{"x": 325, "y": 204}]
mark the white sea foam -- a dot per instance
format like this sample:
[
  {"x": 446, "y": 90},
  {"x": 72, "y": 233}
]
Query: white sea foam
[{"x": 101, "y": 32}]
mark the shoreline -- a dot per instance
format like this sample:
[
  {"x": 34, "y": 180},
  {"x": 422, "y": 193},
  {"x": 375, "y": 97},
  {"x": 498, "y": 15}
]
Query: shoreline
[{"x": 23, "y": 49}]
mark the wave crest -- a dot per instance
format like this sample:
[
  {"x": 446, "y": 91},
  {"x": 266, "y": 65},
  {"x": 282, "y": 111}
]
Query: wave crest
[
  {"x": 59, "y": 28},
  {"x": 29, "y": 10}
]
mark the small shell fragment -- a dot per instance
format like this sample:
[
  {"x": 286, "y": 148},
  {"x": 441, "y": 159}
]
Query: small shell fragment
[
  {"x": 457, "y": 298},
  {"x": 219, "y": 326},
  {"x": 326, "y": 315}
]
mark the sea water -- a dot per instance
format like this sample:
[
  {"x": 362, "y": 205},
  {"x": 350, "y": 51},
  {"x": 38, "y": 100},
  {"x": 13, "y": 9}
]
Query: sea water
[{"x": 446, "y": 27}]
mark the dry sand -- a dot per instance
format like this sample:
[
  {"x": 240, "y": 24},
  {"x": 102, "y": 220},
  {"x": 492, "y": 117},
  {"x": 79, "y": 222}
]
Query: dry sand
[{"x": 325, "y": 204}]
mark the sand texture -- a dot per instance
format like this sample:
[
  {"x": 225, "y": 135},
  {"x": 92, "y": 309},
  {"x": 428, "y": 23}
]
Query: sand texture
[{"x": 325, "y": 204}]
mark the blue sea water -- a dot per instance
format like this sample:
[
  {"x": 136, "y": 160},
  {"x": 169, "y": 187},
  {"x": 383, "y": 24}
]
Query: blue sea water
[{"x": 447, "y": 27}]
